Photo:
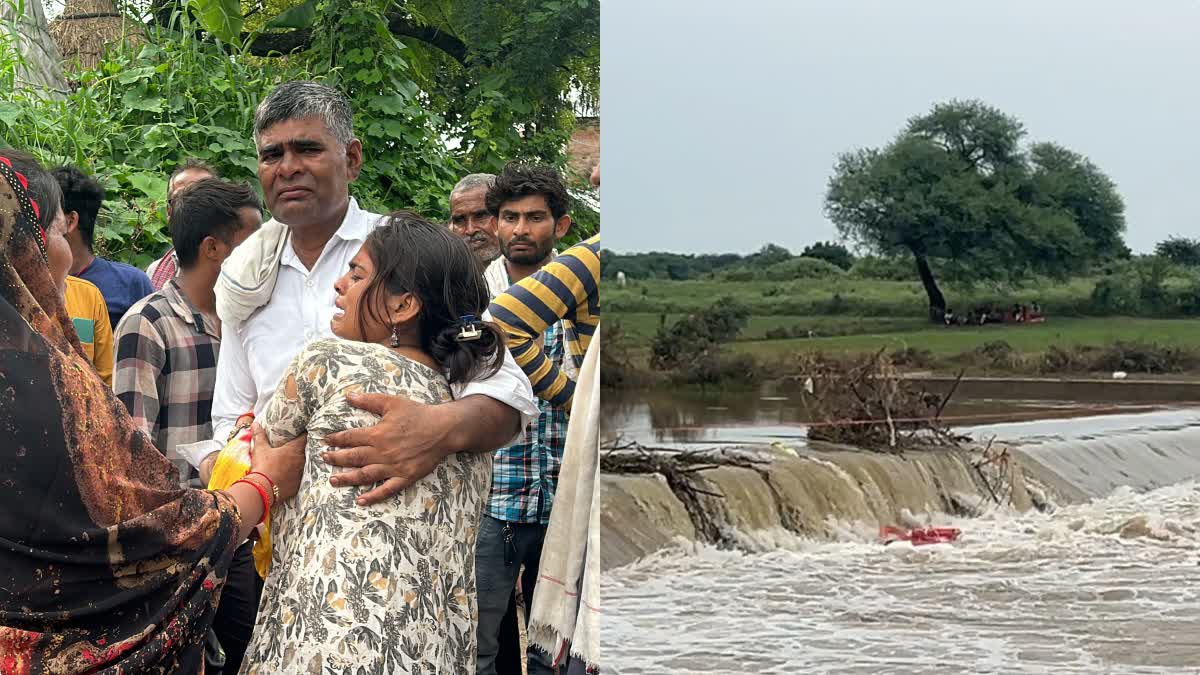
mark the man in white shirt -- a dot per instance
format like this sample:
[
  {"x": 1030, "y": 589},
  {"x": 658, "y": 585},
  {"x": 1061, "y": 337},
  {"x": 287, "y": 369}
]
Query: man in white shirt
[{"x": 276, "y": 295}]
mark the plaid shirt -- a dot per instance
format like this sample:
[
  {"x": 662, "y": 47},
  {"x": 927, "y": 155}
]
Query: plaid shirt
[
  {"x": 525, "y": 475},
  {"x": 166, "y": 371}
]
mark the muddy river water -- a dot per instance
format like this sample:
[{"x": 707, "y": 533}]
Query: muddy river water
[{"x": 1106, "y": 584}]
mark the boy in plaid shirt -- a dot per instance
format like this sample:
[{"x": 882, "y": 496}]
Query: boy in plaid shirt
[
  {"x": 166, "y": 365},
  {"x": 530, "y": 208}
]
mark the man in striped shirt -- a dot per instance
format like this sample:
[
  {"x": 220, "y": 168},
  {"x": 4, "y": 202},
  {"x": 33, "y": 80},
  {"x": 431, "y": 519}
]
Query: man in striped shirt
[
  {"x": 167, "y": 267},
  {"x": 568, "y": 290},
  {"x": 529, "y": 205}
]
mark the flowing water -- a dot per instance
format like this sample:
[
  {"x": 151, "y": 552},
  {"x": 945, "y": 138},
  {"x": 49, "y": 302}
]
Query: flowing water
[
  {"x": 671, "y": 418},
  {"x": 1107, "y": 584}
]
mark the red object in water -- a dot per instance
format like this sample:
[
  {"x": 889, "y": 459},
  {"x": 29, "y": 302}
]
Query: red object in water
[{"x": 920, "y": 535}]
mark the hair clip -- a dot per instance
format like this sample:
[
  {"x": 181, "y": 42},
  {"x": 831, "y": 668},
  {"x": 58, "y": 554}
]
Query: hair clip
[{"x": 470, "y": 331}]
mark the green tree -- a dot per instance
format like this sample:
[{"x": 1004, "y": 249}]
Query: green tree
[
  {"x": 695, "y": 336},
  {"x": 1179, "y": 250},
  {"x": 831, "y": 252},
  {"x": 768, "y": 255},
  {"x": 504, "y": 78},
  {"x": 955, "y": 187},
  {"x": 1066, "y": 179},
  {"x": 439, "y": 89}
]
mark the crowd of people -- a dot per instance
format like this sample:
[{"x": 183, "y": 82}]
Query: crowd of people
[
  {"x": 994, "y": 314},
  {"x": 424, "y": 407}
]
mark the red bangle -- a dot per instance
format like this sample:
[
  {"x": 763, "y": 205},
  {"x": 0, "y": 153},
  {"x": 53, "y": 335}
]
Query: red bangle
[
  {"x": 265, "y": 476},
  {"x": 261, "y": 493}
]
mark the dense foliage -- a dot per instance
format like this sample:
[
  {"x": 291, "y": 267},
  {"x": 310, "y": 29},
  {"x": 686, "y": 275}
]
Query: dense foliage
[
  {"x": 1180, "y": 250},
  {"x": 831, "y": 252},
  {"x": 694, "y": 347},
  {"x": 439, "y": 89}
]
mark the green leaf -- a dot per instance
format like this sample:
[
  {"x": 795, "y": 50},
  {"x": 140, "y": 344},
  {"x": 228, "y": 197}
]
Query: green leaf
[
  {"x": 150, "y": 184},
  {"x": 140, "y": 99},
  {"x": 222, "y": 18},
  {"x": 149, "y": 51},
  {"x": 300, "y": 16},
  {"x": 246, "y": 161},
  {"x": 9, "y": 114},
  {"x": 136, "y": 75},
  {"x": 392, "y": 104},
  {"x": 394, "y": 128}
]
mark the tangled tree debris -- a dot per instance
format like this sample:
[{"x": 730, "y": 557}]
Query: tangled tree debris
[
  {"x": 682, "y": 470},
  {"x": 864, "y": 402}
]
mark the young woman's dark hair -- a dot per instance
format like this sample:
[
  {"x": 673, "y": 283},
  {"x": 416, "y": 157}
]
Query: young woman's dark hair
[{"x": 412, "y": 255}]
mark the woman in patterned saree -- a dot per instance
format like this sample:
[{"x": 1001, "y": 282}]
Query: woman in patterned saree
[
  {"x": 388, "y": 588},
  {"x": 106, "y": 564}
]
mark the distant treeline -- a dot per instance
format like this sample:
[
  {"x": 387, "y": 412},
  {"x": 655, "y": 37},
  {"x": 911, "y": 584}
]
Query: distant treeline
[
  {"x": 771, "y": 262},
  {"x": 830, "y": 260}
]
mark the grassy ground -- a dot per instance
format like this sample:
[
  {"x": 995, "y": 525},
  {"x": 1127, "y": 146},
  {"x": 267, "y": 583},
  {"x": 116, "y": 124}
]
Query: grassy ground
[
  {"x": 641, "y": 325},
  {"x": 839, "y": 297},
  {"x": 1065, "y": 333},
  {"x": 847, "y": 315},
  {"x": 773, "y": 333}
]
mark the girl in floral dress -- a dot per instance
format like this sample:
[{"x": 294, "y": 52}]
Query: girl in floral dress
[{"x": 387, "y": 588}]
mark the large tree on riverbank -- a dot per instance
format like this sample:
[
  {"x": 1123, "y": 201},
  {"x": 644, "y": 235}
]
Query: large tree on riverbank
[{"x": 956, "y": 186}]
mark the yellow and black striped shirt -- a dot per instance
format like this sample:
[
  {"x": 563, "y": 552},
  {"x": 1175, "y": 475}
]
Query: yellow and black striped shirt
[{"x": 568, "y": 290}]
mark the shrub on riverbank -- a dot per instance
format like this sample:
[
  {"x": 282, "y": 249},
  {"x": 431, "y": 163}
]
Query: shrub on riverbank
[
  {"x": 993, "y": 358},
  {"x": 1151, "y": 359},
  {"x": 617, "y": 368}
]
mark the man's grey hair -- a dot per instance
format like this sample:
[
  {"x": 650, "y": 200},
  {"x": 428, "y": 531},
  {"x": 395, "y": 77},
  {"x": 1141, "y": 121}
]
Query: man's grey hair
[
  {"x": 192, "y": 164},
  {"x": 475, "y": 180},
  {"x": 306, "y": 100}
]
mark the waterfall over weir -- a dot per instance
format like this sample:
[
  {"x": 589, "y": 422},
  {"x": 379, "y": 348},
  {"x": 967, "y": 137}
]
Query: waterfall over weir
[{"x": 821, "y": 491}]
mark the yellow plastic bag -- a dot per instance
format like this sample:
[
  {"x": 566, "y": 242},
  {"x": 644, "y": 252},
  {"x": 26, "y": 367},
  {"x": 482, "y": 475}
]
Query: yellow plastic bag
[{"x": 232, "y": 465}]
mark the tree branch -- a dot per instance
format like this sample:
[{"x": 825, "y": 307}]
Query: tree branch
[
  {"x": 280, "y": 44},
  {"x": 451, "y": 45},
  {"x": 275, "y": 44}
]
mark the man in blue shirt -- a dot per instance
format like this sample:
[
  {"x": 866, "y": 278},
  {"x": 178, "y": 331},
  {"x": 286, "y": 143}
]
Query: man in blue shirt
[{"x": 121, "y": 284}]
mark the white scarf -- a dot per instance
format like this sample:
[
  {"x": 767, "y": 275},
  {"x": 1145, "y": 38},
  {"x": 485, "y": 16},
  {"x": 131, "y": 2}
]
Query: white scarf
[
  {"x": 248, "y": 275},
  {"x": 566, "y": 601}
]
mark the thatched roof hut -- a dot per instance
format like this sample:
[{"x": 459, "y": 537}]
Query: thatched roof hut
[
  {"x": 41, "y": 70},
  {"x": 86, "y": 27}
]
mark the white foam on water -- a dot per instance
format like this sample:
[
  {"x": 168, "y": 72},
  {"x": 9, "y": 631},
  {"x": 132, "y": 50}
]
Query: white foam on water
[{"x": 1104, "y": 587}]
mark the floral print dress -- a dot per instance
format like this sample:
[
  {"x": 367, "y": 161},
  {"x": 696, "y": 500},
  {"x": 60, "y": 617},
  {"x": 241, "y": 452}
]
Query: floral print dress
[{"x": 388, "y": 588}]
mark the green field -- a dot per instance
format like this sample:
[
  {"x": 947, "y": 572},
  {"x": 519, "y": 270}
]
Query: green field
[
  {"x": 847, "y": 315},
  {"x": 841, "y": 297},
  {"x": 868, "y": 334},
  {"x": 1066, "y": 332}
]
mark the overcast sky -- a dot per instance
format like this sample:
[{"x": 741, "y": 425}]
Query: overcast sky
[{"x": 721, "y": 120}]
